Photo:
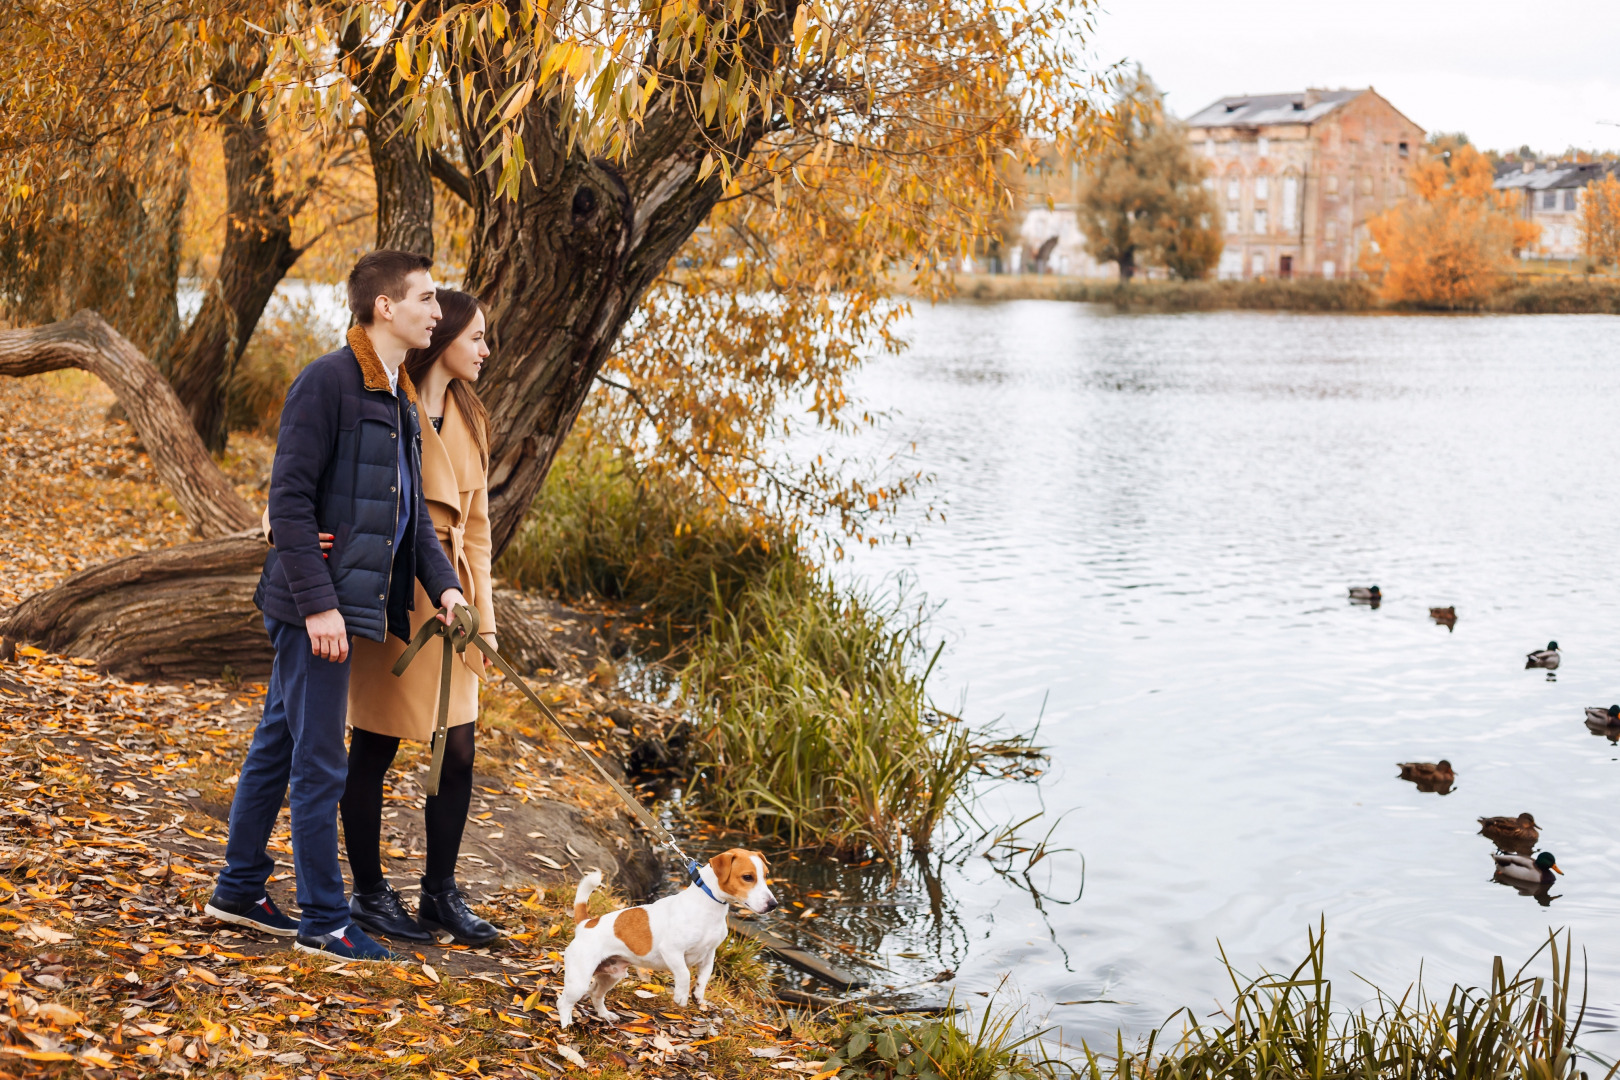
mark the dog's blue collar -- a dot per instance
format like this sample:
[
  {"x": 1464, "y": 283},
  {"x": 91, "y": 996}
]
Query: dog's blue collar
[{"x": 694, "y": 870}]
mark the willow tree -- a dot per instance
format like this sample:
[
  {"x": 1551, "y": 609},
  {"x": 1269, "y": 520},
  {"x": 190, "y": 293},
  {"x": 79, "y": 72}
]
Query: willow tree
[{"x": 798, "y": 156}]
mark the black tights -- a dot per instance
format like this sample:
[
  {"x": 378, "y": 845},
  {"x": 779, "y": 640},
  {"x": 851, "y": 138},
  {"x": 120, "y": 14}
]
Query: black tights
[{"x": 370, "y": 755}]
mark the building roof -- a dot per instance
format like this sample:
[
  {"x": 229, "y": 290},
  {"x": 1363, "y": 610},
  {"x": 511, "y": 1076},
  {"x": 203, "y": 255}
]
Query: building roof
[
  {"x": 1510, "y": 176},
  {"x": 1248, "y": 110}
]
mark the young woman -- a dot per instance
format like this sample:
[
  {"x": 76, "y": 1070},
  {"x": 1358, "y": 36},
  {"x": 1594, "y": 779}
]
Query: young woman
[{"x": 384, "y": 709}]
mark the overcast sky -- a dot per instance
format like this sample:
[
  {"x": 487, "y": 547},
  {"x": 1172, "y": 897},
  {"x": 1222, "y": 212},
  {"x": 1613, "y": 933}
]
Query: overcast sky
[{"x": 1506, "y": 73}]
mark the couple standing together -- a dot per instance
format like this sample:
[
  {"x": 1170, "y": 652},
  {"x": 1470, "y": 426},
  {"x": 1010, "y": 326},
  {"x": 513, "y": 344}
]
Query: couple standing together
[{"x": 375, "y": 520}]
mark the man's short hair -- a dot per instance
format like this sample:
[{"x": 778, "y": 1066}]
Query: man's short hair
[{"x": 381, "y": 273}]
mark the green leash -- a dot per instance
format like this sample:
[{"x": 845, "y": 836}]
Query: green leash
[{"x": 461, "y": 632}]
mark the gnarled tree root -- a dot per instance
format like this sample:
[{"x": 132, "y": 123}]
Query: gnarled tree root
[
  {"x": 183, "y": 612},
  {"x": 186, "y": 612}
]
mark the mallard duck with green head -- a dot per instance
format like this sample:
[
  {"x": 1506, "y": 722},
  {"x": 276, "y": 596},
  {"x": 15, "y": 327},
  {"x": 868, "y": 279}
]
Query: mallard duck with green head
[
  {"x": 1365, "y": 595},
  {"x": 1521, "y": 869},
  {"x": 1597, "y": 714},
  {"x": 1548, "y": 658}
]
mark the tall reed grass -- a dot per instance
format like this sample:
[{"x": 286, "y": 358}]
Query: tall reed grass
[
  {"x": 1286, "y": 1028},
  {"x": 1277, "y": 1027},
  {"x": 810, "y": 697}
]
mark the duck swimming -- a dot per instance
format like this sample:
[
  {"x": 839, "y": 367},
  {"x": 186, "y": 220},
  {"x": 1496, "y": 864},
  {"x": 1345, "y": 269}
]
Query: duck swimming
[
  {"x": 1365, "y": 595},
  {"x": 1597, "y": 714},
  {"x": 1444, "y": 616},
  {"x": 1522, "y": 869},
  {"x": 1423, "y": 770},
  {"x": 1429, "y": 776},
  {"x": 1544, "y": 658},
  {"x": 1519, "y": 829}
]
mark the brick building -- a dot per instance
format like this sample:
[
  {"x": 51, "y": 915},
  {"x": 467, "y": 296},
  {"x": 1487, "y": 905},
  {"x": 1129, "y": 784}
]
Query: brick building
[
  {"x": 1551, "y": 194},
  {"x": 1296, "y": 176}
]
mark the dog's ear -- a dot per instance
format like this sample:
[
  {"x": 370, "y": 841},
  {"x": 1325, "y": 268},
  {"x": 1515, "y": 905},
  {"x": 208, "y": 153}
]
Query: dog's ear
[{"x": 721, "y": 865}]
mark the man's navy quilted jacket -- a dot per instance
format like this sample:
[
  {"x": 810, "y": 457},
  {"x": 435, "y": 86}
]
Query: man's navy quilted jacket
[{"x": 337, "y": 471}]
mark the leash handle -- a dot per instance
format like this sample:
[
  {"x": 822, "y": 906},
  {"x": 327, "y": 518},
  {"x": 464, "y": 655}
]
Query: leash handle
[{"x": 462, "y": 628}]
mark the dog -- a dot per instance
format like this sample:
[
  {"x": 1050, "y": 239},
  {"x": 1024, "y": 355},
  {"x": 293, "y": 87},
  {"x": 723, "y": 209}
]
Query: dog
[{"x": 673, "y": 934}]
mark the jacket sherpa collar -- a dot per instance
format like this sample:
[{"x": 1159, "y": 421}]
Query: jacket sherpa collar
[{"x": 372, "y": 370}]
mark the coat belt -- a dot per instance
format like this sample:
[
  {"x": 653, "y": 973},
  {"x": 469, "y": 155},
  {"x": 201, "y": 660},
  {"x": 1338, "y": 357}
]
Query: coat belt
[{"x": 455, "y": 536}]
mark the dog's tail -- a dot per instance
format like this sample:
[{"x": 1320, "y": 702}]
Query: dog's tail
[{"x": 582, "y": 895}]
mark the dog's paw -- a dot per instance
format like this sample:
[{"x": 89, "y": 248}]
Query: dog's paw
[{"x": 609, "y": 1015}]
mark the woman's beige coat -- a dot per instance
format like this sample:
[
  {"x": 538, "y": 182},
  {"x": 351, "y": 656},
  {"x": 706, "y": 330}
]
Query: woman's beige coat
[{"x": 457, "y": 492}]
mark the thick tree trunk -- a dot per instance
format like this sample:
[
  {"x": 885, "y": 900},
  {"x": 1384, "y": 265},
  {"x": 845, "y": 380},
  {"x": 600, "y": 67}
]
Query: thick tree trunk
[
  {"x": 565, "y": 264},
  {"x": 404, "y": 181},
  {"x": 257, "y": 254},
  {"x": 86, "y": 342}
]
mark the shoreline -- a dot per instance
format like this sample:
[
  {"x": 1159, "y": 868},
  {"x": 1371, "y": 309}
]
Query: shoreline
[{"x": 1531, "y": 296}]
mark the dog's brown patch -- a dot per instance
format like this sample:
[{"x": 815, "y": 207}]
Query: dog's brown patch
[
  {"x": 592, "y": 921},
  {"x": 634, "y": 929},
  {"x": 730, "y": 868}
]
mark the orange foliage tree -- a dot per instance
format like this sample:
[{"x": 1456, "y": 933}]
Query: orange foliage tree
[
  {"x": 1600, "y": 222},
  {"x": 1450, "y": 245}
]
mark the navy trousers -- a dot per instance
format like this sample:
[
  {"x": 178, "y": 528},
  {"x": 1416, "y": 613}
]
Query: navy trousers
[{"x": 299, "y": 741}]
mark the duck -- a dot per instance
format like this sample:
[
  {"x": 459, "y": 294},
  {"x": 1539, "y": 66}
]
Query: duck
[
  {"x": 1366, "y": 595},
  {"x": 1597, "y": 714},
  {"x": 1445, "y": 616},
  {"x": 1425, "y": 772},
  {"x": 1519, "y": 829},
  {"x": 1523, "y": 869},
  {"x": 1543, "y": 658}
]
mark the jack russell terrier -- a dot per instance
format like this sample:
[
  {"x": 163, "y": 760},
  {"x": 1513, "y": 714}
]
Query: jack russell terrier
[{"x": 671, "y": 935}]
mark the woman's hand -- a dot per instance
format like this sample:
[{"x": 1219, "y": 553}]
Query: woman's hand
[{"x": 326, "y": 544}]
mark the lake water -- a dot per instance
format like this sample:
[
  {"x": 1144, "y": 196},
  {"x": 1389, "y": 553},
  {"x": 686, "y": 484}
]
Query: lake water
[{"x": 1151, "y": 524}]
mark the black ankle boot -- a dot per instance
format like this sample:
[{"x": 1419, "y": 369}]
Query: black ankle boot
[
  {"x": 380, "y": 912},
  {"x": 448, "y": 911}
]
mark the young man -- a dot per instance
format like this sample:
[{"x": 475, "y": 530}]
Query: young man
[{"x": 348, "y": 462}]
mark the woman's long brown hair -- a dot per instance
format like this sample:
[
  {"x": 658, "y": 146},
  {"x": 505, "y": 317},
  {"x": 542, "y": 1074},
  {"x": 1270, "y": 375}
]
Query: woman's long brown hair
[{"x": 458, "y": 309}]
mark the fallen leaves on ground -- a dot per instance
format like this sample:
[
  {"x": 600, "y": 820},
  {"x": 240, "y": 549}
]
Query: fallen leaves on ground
[{"x": 113, "y": 796}]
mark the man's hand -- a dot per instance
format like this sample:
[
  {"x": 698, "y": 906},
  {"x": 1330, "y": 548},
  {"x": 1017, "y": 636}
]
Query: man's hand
[
  {"x": 448, "y": 603},
  {"x": 328, "y": 637}
]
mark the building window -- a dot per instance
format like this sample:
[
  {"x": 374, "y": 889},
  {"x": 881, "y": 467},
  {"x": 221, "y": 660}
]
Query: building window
[
  {"x": 1232, "y": 189},
  {"x": 1257, "y": 264},
  {"x": 1260, "y": 222},
  {"x": 1569, "y": 199},
  {"x": 1405, "y": 150},
  {"x": 1231, "y": 265},
  {"x": 1366, "y": 183},
  {"x": 1232, "y": 221},
  {"x": 1328, "y": 269},
  {"x": 1209, "y": 147},
  {"x": 1330, "y": 231},
  {"x": 1549, "y": 200},
  {"x": 1333, "y": 185},
  {"x": 1290, "y": 200},
  {"x": 1262, "y": 189},
  {"x": 1264, "y": 146}
]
